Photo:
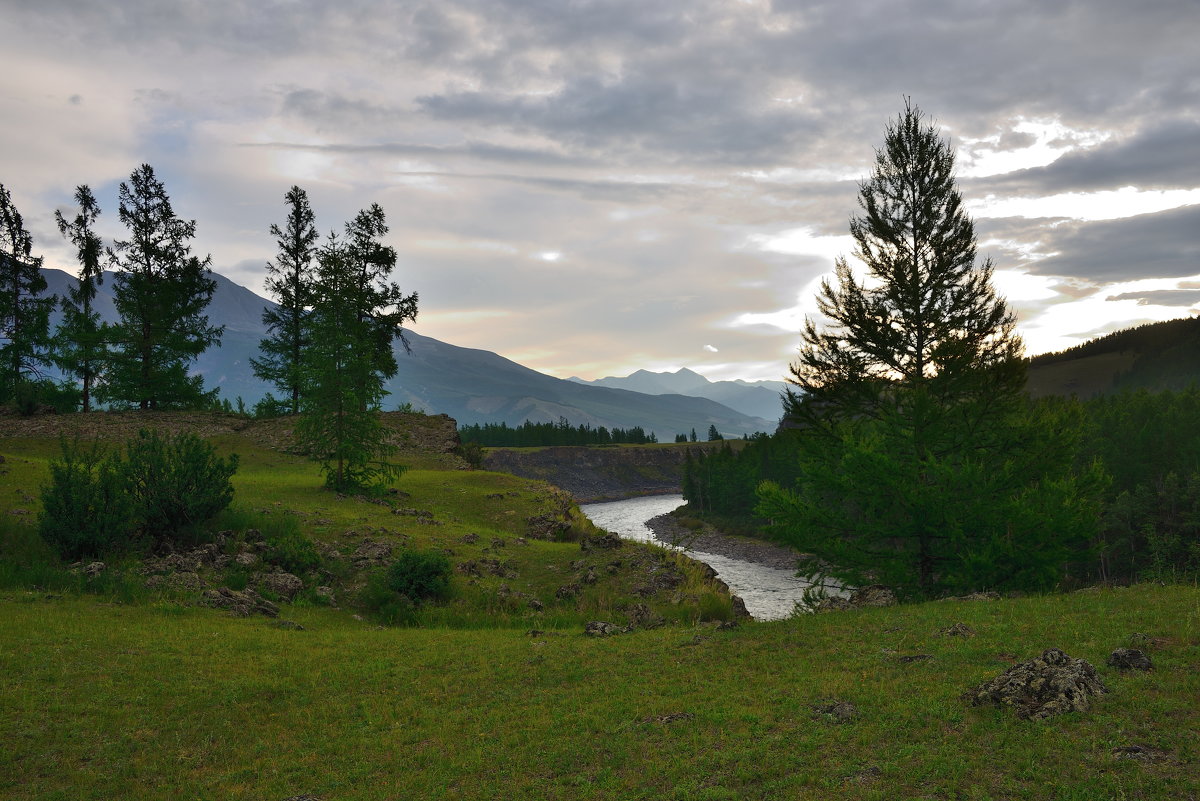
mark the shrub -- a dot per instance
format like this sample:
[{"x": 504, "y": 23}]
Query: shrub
[
  {"x": 290, "y": 549},
  {"x": 86, "y": 510},
  {"x": 394, "y": 594},
  {"x": 176, "y": 483}
]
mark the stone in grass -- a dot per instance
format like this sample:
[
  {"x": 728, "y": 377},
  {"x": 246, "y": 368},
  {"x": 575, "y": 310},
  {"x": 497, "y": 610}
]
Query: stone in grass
[
  {"x": 240, "y": 604},
  {"x": 957, "y": 630},
  {"x": 283, "y": 585},
  {"x": 599, "y": 628},
  {"x": 1129, "y": 659},
  {"x": 1049, "y": 685},
  {"x": 1140, "y": 753},
  {"x": 836, "y": 711}
]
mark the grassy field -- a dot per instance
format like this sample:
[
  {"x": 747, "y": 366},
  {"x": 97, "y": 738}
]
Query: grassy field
[{"x": 149, "y": 696}]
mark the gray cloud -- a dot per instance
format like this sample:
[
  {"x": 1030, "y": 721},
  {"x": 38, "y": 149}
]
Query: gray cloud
[
  {"x": 1146, "y": 246},
  {"x": 1162, "y": 297},
  {"x": 1164, "y": 156}
]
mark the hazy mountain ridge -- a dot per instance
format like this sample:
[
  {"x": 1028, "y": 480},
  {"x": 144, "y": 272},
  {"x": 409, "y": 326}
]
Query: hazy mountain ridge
[
  {"x": 754, "y": 398},
  {"x": 471, "y": 385}
]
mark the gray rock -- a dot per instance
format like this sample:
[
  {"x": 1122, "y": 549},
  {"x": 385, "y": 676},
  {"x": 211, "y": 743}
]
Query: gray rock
[
  {"x": 371, "y": 554},
  {"x": 94, "y": 569},
  {"x": 957, "y": 630},
  {"x": 606, "y": 541},
  {"x": 1129, "y": 659},
  {"x": 535, "y": 605},
  {"x": 598, "y": 628},
  {"x": 327, "y": 594},
  {"x": 837, "y": 711},
  {"x": 567, "y": 591},
  {"x": 246, "y": 559},
  {"x": 1049, "y": 685},
  {"x": 285, "y": 585},
  {"x": 740, "y": 612}
]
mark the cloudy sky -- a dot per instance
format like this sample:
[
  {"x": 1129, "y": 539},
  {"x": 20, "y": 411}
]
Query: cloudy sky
[{"x": 594, "y": 187}]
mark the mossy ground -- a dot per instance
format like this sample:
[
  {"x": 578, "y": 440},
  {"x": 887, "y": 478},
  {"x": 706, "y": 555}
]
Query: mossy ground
[{"x": 157, "y": 698}]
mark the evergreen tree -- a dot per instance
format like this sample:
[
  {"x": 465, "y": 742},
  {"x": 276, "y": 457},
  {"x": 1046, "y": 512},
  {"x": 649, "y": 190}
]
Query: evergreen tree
[
  {"x": 161, "y": 293},
  {"x": 24, "y": 314},
  {"x": 79, "y": 343},
  {"x": 713, "y": 434},
  {"x": 922, "y": 465},
  {"x": 290, "y": 282},
  {"x": 382, "y": 307},
  {"x": 340, "y": 424}
]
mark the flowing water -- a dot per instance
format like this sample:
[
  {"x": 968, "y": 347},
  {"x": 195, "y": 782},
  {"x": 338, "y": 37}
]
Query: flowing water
[{"x": 769, "y": 592}]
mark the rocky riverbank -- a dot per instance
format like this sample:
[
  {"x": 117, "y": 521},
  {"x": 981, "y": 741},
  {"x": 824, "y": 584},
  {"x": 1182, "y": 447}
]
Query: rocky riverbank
[{"x": 707, "y": 539}]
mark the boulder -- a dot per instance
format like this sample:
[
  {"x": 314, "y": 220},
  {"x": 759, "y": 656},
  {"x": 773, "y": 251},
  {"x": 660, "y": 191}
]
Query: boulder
[
  {"x": 1129, "y": 659},
  {"x": 837, "y": 711},
  {"x": 94, "y": 569},
  {"x": 1049, "y": 685},
  {"x": 371, "y": 554},
  {"x": 598, "y": 628},
  {"x": 284, "y": 585},
  {"x": 246, "y": 559},
  {"x": 605, "y": 541},
  {"x": 740, "y": 612}
]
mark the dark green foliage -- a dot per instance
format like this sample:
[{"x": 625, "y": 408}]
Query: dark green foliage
[
  {"x": 176, "y": 483},
  {"x": 86, "y": 508},
  {"x": 420, "y": 575},
  {"x": 289, "y": 280},
  {"x": 290, "y": 549},
  {"x": 80, "y": 347},
  {"x": 24, "y": 313},
  {"x": 416, "y": 577},
  {"x": 161, "y": 293},
  {"x": 343, "y": 374},
  {"x": 530, "y": 434},
  {"x": 681, "y": 438},
  {"x": 921, "y": 466},
  {"x": 714, "y": 435},
  {"x": 471, "y": 453},
  {"x": 270, "y": 407},
  {"x": 1166, "y": 354}
]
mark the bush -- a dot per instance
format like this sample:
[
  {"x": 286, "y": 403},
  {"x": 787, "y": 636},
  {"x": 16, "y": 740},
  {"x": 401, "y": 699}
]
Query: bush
[
  {"x": 176, "y": 484},
  {"x": 290, "y": 549},
  {"x": 86, "y": 510},
  {"x": 394, "y": 594}
]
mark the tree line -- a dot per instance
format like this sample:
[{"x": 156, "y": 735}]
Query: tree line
[
  {"x": 530, "y": 434},
  {"x": 329, "y": 347}
]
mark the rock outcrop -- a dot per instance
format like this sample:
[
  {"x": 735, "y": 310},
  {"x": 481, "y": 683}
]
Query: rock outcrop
[{"x": 1049, "y": 685}]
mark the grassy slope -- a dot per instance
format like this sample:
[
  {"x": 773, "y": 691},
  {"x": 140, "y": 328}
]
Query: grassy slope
[{"x": 161, "y": 699}]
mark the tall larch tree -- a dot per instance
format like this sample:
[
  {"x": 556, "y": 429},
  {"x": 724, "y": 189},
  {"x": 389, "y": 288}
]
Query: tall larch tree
[
  {"x": 80, "y": 348},
  {"x": 924, "y": 467},
  {"x": 382, "y": 307},
  {"x": 340, "y": 425},
  {"x": 289, "y": 280},
  {"x": 161, "y": 292},
  {"x": 24, "y": 310}
]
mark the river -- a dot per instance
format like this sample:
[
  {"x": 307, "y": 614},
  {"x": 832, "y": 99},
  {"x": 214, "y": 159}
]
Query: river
[{"x": 770, "y": 593}]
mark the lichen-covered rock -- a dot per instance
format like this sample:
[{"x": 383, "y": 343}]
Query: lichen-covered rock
[
  {"x": 957, "y": 630},
  {"x": 370, "y": 553},
  {"x": 644, "y": 617},
  {"x": 1049, "y": 685},
  {"x": 1129, "y": 659},
  {"x": 284, "y": 585},
  {"x": 240, "y": 604},
  {"x": 837, "y": 711},
  {"x": 599, "y": 628},
  {"x": 567, "y": 591},
  {"x": 246, "y": 559},
  {"x": 605, "y": 541},
  {"x": 94, "y": 569}
]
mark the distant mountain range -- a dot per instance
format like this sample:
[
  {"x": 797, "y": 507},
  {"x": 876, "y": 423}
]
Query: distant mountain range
[
  {"x": 755, "y": 398},
  {"x": 472, "y": 386}
]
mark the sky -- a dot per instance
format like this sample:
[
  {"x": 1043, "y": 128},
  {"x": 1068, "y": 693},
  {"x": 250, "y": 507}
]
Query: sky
[{"x": 591, "y": 188}]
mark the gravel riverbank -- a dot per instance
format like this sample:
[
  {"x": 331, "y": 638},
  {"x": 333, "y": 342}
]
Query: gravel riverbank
[{"x": 709, "y": 540}]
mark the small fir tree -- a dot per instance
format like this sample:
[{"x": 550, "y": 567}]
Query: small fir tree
[
  {"x": 290, "y": 282},
  {"x": 161, "y": 293},
  {"x": 80, "y": 349}
]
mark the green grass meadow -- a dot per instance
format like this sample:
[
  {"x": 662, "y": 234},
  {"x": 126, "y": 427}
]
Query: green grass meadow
[{"x": 111, "y": 693}]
